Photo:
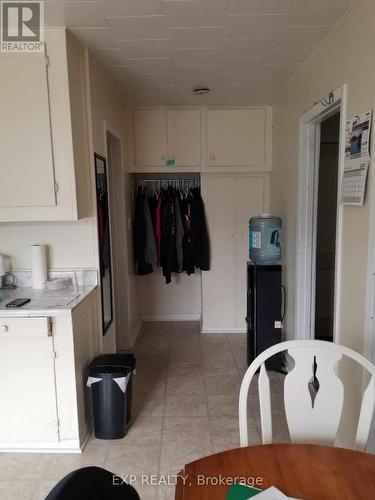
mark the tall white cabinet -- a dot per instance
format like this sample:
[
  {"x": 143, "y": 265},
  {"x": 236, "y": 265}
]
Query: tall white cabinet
[{"x": 230, "y": 200}]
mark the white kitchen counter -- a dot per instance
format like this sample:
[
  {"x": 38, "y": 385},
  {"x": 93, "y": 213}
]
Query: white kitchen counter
[{"x": 43, "y": 302}]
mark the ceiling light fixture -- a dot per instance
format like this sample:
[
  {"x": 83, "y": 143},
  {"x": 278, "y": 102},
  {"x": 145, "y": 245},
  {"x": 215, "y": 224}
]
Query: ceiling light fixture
[{"x": 201, "y": 91}]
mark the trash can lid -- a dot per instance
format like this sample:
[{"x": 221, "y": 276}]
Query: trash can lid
[
  {"x": 109, "y": 371},
  {"x": 123, "y": 360}
]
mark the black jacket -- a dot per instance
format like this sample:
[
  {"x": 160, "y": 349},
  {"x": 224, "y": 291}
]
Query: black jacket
[
  {"x": 140, "y": 235},
  {"x": 199, "y": 234}
]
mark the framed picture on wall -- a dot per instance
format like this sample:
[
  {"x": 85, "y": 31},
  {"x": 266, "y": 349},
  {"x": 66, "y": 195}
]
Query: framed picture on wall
[{"x": 104, "y": 239}]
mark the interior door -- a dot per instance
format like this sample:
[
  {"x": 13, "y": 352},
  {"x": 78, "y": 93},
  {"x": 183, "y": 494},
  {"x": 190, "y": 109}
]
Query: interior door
[
  {"x": 184, "y": 136},
  {"x": 219, "y": 310},
  {"x": 26, "y": 165},
  {"x": 27, "y": 390},
  {"x": 250, "y": 201},
  {"x": 150, "y": 129}
]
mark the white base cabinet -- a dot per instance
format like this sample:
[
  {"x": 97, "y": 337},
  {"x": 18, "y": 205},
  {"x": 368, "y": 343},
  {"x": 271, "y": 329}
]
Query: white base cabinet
[
  {"x": 44, "y": 401},
  {"x": 230, "y": 201}
]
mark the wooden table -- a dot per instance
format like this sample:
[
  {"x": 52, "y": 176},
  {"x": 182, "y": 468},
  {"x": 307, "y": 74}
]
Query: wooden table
[{"x": 302, "y": 471}]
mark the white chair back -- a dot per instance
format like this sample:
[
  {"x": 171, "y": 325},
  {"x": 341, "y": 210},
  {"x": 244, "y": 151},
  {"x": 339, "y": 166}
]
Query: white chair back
[{"x": 313, "y": 411}]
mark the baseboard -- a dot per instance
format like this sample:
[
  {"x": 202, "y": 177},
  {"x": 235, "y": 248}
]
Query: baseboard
[
  {"x": 137, "y": 330},
  {"x": 222, "y": 330},
  {"x": 69, "y": 446},
  {"x": 171, "y": 317}
]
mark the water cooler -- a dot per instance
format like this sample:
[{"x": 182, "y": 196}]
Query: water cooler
[{"x": 264, "y": 289}]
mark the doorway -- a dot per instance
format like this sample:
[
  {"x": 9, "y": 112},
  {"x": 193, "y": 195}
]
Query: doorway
[
  {"x": 326, "y": 218},
  {"x": 118, "y": 225},
  {"x": 321, "y": 160}
]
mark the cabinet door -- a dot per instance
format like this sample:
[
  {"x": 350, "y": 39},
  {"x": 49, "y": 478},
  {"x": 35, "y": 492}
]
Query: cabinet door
[
  {"x": 150, "y": 131},
  {"x": 26, "y": 164},
  {"x": 27, "y": 389},
  {"x": 184, "y": 136},
  {"x": 251, "y": 200},
  {"x": 236, "y": 137},
  {"x": 219, "y": 283}
]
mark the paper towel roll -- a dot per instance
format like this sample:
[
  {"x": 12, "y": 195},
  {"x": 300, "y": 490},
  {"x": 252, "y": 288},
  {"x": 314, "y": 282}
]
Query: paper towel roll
[{"x": 39, "y": 266}]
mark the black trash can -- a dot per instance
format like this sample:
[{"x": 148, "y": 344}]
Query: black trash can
[{"x": 110, "y": 378}]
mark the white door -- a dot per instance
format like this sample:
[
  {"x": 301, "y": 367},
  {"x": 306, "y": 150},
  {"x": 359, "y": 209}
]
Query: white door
[
  {"x": 219, "y": 309},
  {"x": 250, "y": 201},
  {"x": 236, "y": 137},
  {"x": 150, "y": 137},
  {"x": 27, "y": 389},
  {"x": 26, "y": 164},
  {"x": 184, "y": 136}
]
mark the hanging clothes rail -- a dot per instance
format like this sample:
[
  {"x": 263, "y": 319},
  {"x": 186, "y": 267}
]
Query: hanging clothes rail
[{"x": 158, "y": 184}]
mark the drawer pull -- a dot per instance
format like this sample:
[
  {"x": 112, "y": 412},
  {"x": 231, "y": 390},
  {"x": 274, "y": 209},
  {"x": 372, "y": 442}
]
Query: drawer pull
[{"x": 4, "y": 328}]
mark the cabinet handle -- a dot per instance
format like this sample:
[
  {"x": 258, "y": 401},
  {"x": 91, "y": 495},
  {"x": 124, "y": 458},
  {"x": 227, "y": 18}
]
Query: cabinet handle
[
  {"x": 212, "y": 157},
  {"x": 241, "y": 235},
  {"x": 4, "y": 328},
  {"x": 231, "y": 235},
  {"x": 163, "y": 157}
]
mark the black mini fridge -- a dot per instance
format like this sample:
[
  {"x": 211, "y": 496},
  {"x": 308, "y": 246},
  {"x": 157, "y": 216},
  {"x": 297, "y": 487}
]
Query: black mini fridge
[{"x": 264, "y": 301}]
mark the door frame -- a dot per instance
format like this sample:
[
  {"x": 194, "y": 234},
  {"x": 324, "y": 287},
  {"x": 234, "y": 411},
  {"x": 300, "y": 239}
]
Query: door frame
[{"x": 309, "y": 151}]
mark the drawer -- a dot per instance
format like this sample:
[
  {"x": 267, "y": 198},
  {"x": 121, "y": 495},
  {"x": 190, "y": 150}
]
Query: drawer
[{"x": 24, "y": 327}]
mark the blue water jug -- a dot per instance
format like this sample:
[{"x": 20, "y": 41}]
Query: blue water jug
[{"x": 264, "y": 239}]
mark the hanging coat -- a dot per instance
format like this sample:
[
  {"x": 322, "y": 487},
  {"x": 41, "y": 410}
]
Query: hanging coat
[
  {"x": 179, "y": 232},
  {"x": 168, "y": 252},
  {"x": 199, "y": 234},
  {"x": 140, "y": 235},
  {"x": 151, "y": 256},
  {"x": 187, "y": 247}
]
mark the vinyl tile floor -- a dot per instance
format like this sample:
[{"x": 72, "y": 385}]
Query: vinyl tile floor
[{"x": 185, "y": 406}]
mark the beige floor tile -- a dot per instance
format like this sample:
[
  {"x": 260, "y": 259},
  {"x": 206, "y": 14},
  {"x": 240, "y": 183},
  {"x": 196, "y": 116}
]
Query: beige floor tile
[
  {"x": 145, "y": 430},
  {"x": 32, "y": 465},
  {"x": 148, "y": 404},
  {"x": 179, "y": 386},
  {"x": 225, "y": 433},
  {"x": 150, "y": 384},
  {"x": 223, "y": 406},
  {"x": 174, "y": 455},
  {"x": 62, "y": 464},
  {"x": 185, "y": 370},
  {"x": 193, "y": 405},
  {"x": 133, "y": 460},
  {"x": 223, "y": 384},
  {"x": 184, "y": 431},
  {"x": 17, "y": 489},
  {"x": 43, "y": 488}
]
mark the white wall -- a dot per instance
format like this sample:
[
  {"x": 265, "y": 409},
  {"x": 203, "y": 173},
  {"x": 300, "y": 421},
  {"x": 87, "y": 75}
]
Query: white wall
[
  {"x": 344, "y": 58},
  {"x": 107, "y": 109}
]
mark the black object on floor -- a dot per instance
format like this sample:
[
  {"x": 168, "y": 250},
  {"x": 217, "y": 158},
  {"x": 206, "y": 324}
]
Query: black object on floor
[
  {"x": 264, "y": 315},
  {"x": 111, "y": 379},
  {"x": 92, "y": 483}
]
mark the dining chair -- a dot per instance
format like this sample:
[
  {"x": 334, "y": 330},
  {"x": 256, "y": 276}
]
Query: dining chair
[{"x": 313, "y": 393}]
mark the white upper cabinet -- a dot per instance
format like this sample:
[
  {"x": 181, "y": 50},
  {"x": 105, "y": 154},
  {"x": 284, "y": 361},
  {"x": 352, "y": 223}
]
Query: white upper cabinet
[
  {"x": 44, "y": 167},
  {"x": 150, "y": 137},
  {"x": 239, "y": 139},
  {"x": 184, "y": 136},
  {"x": 26, "y": 165},
  {"x": 167, "y": 139}
]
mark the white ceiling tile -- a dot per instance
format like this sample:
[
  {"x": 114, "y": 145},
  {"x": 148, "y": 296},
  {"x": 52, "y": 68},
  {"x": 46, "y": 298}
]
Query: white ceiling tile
[
  {"x": 157, "y": 79},
  {"x": 228, "y": 64},
  {"x": 277, "y": 70},
  {"x": 187, "y": 85},
  {"x": 74, "y": 14},
  {"x": 290, "y": 55},
  {"x": 258, "y": 6},
  {"x": 235, "y": 78},
  {"x": 196, "y": 72},
  {"x": 152, "y": 65},
  {"x": 202, "y": 38},
  {"x": 269, "y": 83},
  {"x": 195, "y": 12},
  {"x": 317, "y": 12},
  {"x": 144, "y": 27},
  {"x": 146, "y": 48},
  {"x": 297, "y": 36},
  {"x": 118, "y": 8},
  {"x": 253, "y": 25},
  {"x": 253, "y": 47},
  {"x": 110, "y": 57},
  {"x": 101, "y": 38},
  {"x": 193, "y": 57}
]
